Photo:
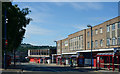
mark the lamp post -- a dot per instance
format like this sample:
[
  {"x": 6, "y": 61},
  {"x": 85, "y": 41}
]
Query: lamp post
[
  {"x": 56, "y": 52},
  {"x": 91, "y": 43},
  {"x": 5, "y": 31},
  {"x": 56, "y": 44}
]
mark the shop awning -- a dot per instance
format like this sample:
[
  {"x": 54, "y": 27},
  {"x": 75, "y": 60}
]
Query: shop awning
[
  {"x": 96, "y": 50},
  {"x": 72, "y": 56},
  {"x": 105, "y": 54},
  {"x": 70, "y": 53},
  {"x": 59, "y": 57},
  {"x": 56, "y": 54}
]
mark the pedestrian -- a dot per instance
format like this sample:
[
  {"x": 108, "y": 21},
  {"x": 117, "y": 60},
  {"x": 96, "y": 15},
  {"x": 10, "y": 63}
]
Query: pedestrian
[
  {"x": 64, "y": 63},
  {"x": 71, "y": 65}
]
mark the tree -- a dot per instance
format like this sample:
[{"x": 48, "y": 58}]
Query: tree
[{"x": 17, "y": 22}]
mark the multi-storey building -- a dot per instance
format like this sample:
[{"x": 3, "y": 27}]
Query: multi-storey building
[{"x": 105, "y": 39}]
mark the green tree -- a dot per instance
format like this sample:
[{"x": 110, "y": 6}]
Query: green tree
[{"x": 17, "y": 21}]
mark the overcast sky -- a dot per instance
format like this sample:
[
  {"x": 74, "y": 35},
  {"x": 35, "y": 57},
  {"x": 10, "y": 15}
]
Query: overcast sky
[{"x": 55, "y": 21}]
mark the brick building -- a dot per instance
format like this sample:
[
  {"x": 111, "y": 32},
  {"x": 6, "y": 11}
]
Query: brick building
[{"x": 77, "y": 46}]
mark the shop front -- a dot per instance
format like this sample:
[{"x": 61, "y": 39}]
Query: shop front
[
  {"x": 59, "y": 60},
  {"x": 74, "y": 60},
  {"x": 54, "y": 57},
  {"x": 80, "y": 61},
  {"x": 69, "y": 58},
  {"x": 87, "y": 56},
  {"x": 66, "y": 59},
  {"x": 109, "y": 61}
]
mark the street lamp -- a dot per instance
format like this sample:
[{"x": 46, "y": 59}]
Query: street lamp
[
  {"x": 56, "y": 52},
  {"x": 91, "y": 43},
  {"x": 56, "y": 44}
]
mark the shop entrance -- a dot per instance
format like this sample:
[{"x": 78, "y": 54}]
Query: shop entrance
[{"x": 108, "y": 61}]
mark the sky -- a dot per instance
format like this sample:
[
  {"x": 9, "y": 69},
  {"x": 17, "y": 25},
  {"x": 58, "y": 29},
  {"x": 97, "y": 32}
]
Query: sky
[{"x": 54, "y": 21}]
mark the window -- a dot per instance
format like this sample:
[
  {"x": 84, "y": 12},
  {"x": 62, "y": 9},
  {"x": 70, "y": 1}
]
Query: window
[
  {"x": 81, "y": 37},
  {"x": 108, "y": 28},
  {"x": 113, "y": 41},
  {"x": 58, "y": 50},
  {"x": 79, "y": 42},
  {"x": 62, "y": 43},
  {"x": 96, "y": 31},
  {"x": 92, "y": 44},
  {"x": 113, "y": 27},
  {"x": 66, "y": 43},
  {"x": 108, "y": 41},
  {"x": 88, "y": 33},
  {"x": 101, "y": 30},
  {"x": 101, "y": 42},
  {"x": 58, "y": 44},
  {"x": 118, "y": 40},
  {"x": 118, "y": 24},
  {"x": 92, "y": 32},
  {"x": 88, "y": 45},
  {"x": 96, "y": 43}
]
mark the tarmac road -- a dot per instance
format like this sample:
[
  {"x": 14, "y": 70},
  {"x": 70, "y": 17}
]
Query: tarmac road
[
  {"x": 33, "y": 67},
  {"x": 49, "y": 68}
]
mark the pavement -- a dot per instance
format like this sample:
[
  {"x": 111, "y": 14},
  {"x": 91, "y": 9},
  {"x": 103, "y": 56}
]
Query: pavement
[{"x": 33, "y": 67}]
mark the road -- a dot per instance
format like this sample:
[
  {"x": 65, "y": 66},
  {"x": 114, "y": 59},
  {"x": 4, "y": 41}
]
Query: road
[
  {"x": 33, "y": 67},
  {"x": 45, "y": 67}
]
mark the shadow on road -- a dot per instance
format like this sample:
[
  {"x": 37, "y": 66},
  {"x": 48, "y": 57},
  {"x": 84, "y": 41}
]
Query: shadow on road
[{"x": 44, "y": 68}]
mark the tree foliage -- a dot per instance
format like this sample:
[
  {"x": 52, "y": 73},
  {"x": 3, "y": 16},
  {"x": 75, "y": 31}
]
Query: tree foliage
[{"x": 17, "y": 22}]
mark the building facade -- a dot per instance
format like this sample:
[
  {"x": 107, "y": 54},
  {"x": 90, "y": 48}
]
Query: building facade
[
  {"x": 105, "y": 39},
  {"x": 41, "y": 55}
]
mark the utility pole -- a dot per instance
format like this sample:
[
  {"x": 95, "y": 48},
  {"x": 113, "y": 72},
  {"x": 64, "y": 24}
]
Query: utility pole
[
  {"x": 14, "y": 57},
  {"x": 56, "y": 49},
  {"x": 91, "y": 44},
  {"x": 6, "y": 42}
]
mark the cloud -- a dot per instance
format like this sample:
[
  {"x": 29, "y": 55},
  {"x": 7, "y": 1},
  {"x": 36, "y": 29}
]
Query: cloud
[
  {"x": 39, "y": 13},
  {"x": 59, "y": 37},
  {"x": 82, "y": 5},
  {"x": 39, "y": 17},
  {"x": 59, "y": 4},
  {"x": 87, "y": 5},
  {"x": 99, "y": 18},
  {"x": 36, "y": 30},
  {"x": 80, "y": 27}
]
